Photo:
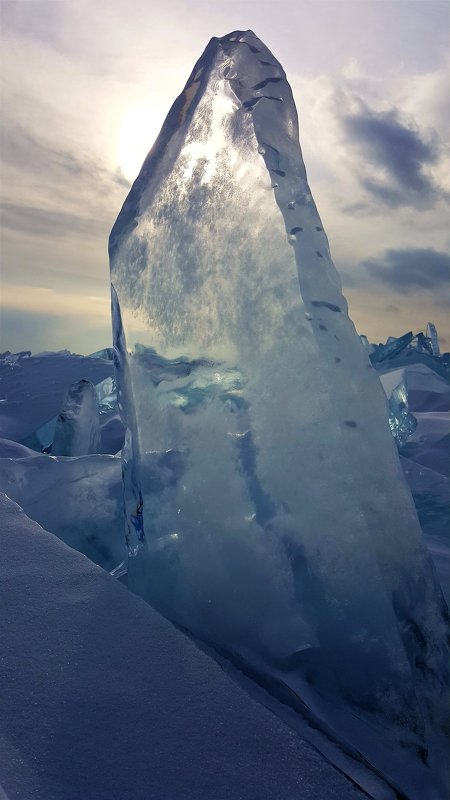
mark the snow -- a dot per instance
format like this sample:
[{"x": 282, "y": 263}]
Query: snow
[{"x": 103, "y": 699}]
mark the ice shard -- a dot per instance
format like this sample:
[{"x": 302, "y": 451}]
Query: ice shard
[
  {"x": 77, "y": 431},
  {"x": 433, "y": 338},
  {"x": 266, "y": 507},
  {"x": 401, "y": 422},
  {"x": 106, "y": 396},
  {"x": 392, "y": 348}
]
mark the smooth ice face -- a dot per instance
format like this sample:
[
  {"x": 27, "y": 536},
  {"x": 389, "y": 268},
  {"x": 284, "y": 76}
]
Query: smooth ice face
[
  {"x": 266, "y": 507},
  {"x": 77, "y": 431}
]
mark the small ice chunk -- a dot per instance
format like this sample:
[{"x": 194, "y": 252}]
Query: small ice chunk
[
  {"x": 401, "y": 422},
  {"x": 106, "y": 395},
  {"x": 77, "y": 430}
]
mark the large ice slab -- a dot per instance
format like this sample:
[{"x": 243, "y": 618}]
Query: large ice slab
[
  {"x": 278, "y": 525},
  {"x": 102, "y": 698}
]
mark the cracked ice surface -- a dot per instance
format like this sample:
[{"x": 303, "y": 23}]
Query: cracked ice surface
[{"x": 278, "y": 524}]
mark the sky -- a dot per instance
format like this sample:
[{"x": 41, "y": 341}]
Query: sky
[{"x": 85, "y": 88}]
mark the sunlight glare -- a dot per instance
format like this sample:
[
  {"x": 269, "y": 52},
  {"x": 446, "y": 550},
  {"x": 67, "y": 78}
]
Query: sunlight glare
[{"x": 136, "y": 136}]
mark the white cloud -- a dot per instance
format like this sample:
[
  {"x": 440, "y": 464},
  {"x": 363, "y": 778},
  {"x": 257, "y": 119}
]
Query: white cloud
[{"x": 44, "y": 300}]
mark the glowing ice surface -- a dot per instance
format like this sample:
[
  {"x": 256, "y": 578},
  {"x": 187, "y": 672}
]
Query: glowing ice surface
[{"x": 266, "y": 507}]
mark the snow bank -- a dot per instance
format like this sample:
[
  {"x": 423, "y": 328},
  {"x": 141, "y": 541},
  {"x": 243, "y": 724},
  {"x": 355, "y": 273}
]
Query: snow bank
[{"x": 103, "y": 699}]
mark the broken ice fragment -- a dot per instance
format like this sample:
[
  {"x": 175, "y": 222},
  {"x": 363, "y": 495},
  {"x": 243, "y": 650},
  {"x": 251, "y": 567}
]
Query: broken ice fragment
[
  {"x": 106, "y": 395},
  {"x": 107, "y": 353},
  {"x": 433, "y": 338},
  {"x": 77, "y": 431},
  {"x": 401, "y": 422},
  {"x": 298, "y": 549},
  {"x": 392, "y": 348}
]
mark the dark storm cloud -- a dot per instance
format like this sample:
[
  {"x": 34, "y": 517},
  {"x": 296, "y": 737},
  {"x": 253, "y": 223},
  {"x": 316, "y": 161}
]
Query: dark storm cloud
[
  {"x": 42, "y": 222},
  {"x": 398, "y": 149},
  {"x": 406, "y": 271},
  {"x": 389, "y": 195}
]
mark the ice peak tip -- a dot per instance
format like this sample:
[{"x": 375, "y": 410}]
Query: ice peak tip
[
  {"x": 247, "y": 37},
  {"x": 236, "y": 36}
]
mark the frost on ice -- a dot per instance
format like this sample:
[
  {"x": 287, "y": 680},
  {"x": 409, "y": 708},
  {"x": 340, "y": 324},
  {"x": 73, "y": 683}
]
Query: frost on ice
[{"x": 266, "y": 507}]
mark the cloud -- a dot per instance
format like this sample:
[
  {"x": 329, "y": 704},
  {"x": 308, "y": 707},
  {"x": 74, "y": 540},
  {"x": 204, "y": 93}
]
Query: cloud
[
  {"x": 34, "y": 221},
  {"x": 405, "y": 271},
  {"x": 22, "y": 149},
  {"x": 358, "y": 209},
  {"x": 39, "y": 330},
  {"x": 394, "y": 147},
  {"x": 54, "y": 191},
  {"x": 388, "y": 195},
  {"x": 347, "y": 279},
  {"x": 27, "y": 152},
  {"x": 391, "y": 309},
  {"x": 43, "y": 25},
  {"x": 52, "y": 302},
  {"x": 39, "y": 318}
]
